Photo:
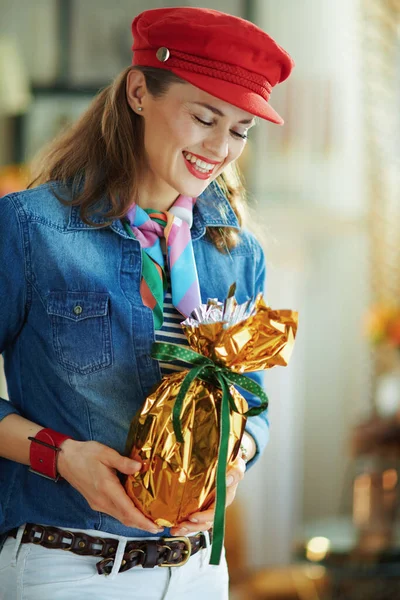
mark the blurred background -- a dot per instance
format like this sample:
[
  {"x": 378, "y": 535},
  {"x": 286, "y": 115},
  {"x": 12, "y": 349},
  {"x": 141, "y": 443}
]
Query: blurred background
[{"x": 317, "y": 515}]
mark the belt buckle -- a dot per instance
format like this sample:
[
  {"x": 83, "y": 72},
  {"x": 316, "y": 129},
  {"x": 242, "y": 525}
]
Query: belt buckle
[{"x": 186, "y": 553}]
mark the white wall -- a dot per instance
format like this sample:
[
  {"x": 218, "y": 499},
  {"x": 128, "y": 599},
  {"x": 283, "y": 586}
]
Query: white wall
[{"x": 32, "y": 24}]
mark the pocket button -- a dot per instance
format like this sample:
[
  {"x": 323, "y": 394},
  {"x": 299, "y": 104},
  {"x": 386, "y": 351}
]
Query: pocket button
[{"x": 78, "y": 310}]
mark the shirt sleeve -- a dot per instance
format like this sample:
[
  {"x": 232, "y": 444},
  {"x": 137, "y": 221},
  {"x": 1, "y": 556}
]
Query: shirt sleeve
[
  {"x": 257, "y": 427},
  {"x": 13, "y": 282}
]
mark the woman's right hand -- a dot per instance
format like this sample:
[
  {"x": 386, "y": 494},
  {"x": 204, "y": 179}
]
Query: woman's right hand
[{"x": 90, "y": 467}]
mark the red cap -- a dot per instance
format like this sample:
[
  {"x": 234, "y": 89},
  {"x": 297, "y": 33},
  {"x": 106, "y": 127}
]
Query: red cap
[{"x": 226, "y": 56}]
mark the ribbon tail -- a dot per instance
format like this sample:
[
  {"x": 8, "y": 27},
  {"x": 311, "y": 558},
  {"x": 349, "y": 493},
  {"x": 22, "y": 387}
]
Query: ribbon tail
[
  {"x": 250, "y": 386},
  {"x": 206, "y": 369},
  {"x": 219, "y": 516},
  {"x": 177, "y": 409}
]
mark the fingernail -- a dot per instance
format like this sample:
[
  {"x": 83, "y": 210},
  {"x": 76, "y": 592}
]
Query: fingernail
[
  {"x": 193, "y": 520},
  {"x": 155, "y": 530},
  {"x": 229, "y": 480},
  {"x": 182, "y": 530}
]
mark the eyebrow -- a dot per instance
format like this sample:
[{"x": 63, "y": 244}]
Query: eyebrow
[{"x": 216, "y": 111}]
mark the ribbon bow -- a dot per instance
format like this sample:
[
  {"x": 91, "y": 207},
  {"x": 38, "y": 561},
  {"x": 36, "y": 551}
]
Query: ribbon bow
[{"x": 206, "y": 369}]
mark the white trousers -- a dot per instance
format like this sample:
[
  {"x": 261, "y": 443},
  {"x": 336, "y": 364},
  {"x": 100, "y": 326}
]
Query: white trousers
[{"x": 31, "y": 572}]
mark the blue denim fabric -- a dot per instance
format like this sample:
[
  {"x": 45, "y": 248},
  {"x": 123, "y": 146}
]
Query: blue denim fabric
[{"x": 76, "y": 337}]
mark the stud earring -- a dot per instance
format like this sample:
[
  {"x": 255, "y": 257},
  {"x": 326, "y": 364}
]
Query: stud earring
[{"x": 139, "y": 108}]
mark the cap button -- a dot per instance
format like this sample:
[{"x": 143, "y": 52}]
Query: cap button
[{"x": 163, "y": 54}]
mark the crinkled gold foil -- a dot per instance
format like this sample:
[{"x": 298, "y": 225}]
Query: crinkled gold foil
[
  {"x": 260, "y": 342},
  {"x": 176, "y": 479}
]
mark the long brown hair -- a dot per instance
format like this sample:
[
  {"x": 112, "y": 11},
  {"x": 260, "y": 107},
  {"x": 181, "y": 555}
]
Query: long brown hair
[{"x": 93, "y": 157}]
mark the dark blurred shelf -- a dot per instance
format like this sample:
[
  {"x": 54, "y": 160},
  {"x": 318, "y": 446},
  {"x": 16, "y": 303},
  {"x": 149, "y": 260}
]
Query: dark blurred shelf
[{"x": 355, "y": 572}]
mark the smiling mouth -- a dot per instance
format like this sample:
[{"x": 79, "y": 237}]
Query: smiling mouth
[{"x": 200, "y": 165}]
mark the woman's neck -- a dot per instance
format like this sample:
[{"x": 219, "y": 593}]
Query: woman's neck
[{"x": 157, "y": 195}]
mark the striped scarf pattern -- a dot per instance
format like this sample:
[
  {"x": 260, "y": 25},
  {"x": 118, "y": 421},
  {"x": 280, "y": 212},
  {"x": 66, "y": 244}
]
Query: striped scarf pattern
[{"x": 149, "y": 226}]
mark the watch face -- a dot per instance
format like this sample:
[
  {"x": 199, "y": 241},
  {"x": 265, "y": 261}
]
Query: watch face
[{"x": 244, "y": 452}]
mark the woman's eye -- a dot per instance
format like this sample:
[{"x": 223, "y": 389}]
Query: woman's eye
[
  {"x": 242, "y": 136},
  {"x": 236, "y": 134},
  {"x": 203, "y": 122}
]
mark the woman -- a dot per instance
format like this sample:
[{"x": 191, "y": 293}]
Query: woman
[{"x": 80, "y": 310}]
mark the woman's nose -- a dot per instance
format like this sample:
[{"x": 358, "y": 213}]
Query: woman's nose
[{"x": 217, "y": 146}]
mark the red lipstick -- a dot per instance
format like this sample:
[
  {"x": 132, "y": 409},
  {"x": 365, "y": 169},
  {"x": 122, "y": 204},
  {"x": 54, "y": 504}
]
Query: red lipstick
[
  {"x": 207, "y": 160},
  {"x": 195, "y": 171}
]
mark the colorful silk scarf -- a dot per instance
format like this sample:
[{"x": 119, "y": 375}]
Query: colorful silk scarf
[{"x": 148, "y": 226}]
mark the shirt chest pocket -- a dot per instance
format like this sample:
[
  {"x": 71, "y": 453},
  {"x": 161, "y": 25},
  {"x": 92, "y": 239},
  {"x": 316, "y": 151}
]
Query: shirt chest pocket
[{"x": 81, "y": 330}]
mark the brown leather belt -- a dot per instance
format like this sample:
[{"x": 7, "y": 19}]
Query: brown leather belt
[{"x": 163, "y": 552}]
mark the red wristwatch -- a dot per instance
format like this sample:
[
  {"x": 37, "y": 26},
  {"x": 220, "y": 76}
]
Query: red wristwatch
[{"x": 43, "y": 453}]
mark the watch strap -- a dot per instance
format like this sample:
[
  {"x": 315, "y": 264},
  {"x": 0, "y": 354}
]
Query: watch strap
[{"x": 44, "y": 449}]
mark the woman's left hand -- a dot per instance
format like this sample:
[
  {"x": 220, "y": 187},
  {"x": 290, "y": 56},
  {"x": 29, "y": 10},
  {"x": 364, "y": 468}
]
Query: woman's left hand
[{"x": 203, "y": 520}]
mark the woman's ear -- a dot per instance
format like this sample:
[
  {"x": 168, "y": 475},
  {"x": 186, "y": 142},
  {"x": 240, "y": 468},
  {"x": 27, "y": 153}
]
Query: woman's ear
[{"x": 136, "y": 90}]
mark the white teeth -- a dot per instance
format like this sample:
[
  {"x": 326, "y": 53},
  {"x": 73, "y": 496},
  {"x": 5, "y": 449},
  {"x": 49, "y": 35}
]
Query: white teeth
[{"x": 202, "y": 166}]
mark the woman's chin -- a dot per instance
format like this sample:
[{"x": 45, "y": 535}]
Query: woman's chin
[{"x": 193, "y": 189}]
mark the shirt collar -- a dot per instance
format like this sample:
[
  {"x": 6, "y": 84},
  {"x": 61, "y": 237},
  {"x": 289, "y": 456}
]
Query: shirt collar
[{"x": 212, "y": 209}]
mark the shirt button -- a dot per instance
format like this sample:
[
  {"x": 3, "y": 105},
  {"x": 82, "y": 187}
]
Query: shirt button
[{"x": 78, "y": 310}]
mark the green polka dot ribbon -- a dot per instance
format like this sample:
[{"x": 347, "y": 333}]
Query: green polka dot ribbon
[{"x": 204, "y": 368}]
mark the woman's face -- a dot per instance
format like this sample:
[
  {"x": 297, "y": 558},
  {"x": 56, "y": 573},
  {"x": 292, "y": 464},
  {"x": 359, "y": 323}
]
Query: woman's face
[{"x": 190, "y": 138}]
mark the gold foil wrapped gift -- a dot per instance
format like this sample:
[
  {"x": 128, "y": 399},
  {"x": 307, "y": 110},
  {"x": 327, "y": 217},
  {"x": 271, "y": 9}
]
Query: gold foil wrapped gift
[{"x": 190, "y": 427}]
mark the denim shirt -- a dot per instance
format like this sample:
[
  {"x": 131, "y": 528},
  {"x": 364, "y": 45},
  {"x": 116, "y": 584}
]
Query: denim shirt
[{"x": 86, "y": 371}]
